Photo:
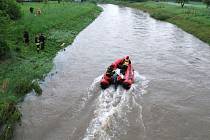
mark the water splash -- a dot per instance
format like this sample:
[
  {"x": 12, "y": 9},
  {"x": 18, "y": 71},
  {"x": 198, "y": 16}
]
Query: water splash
[{"x": 112, "y": 110}]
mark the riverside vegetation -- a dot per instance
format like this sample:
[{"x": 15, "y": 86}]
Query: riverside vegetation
[
  {"x": 193, "y": 17},
  {"x": 21, "y": 66}
]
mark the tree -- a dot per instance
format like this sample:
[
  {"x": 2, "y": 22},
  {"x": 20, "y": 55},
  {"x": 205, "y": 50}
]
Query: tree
[
  {"x": 10, "y": 8},
  {"x": 207, "y": 2},
  {"x": 182, "y": 2}
]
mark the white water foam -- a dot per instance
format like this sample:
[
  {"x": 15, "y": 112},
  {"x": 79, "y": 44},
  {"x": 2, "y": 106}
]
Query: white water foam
[{"x": 113, "y": 107}]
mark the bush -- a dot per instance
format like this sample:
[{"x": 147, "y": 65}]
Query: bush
[
  {"x": 36, "y": 87},
  {"x": 207, "y": 2},
  {"x": 4, "y": 49},
  {"x": 161, "y": 16},
  {"x": 9, "y": 114},
  {"x": 24, "y": 86},
  {"x": 11, "y": 8},
  {"x": 7, "y": 110}
]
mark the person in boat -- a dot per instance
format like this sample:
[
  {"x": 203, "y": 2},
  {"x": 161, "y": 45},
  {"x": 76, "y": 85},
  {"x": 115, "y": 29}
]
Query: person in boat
[
  {"x": 110, "y": 71},
  {"x": 124, "y": 64}
]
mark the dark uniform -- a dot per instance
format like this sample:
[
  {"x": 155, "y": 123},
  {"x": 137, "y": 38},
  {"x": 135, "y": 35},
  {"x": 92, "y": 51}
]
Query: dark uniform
[
  {"x": 110, "y": 71},
  {"x": 124, "y": 64},
  {"x": 42, "y": 41},
  {"x": 31, "y": 10},
  {"x": 26, "y": 37},
  {"x": 37, "y": 43}
]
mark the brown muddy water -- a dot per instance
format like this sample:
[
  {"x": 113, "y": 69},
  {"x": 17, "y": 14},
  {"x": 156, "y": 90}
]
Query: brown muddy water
[{"x": 170, "y": 99}]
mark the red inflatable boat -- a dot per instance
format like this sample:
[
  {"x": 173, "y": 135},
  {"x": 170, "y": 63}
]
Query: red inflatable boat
[{"x": 120, "y": 72}]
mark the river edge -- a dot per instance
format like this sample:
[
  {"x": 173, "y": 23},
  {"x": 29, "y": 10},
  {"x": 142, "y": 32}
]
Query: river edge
[
  {"x": 9, "y": 112},
  {"x": 75, "y": 47},
  {"x": 191, "y": 18},
  {"x": 132, "y": 5}
]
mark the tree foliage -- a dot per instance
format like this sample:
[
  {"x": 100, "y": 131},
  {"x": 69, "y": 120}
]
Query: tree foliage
[
  {"x": 4, "y": 20},
  {"x": 10, "y": 8},
  {"x": 8, "y": 11},
  {"x": 207, "y": 2},
  {"x": 182, "y": 2}
]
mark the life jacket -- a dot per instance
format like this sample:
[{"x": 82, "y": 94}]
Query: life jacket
[
  {"x": 125, "y": 62},
  {"x": 109, "y": 72}
]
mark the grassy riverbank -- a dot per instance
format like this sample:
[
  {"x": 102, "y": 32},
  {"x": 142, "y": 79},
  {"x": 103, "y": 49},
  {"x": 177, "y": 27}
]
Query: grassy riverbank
[
  {"x": 60, "y": 23},
  {"x": 193, "y": 18}
]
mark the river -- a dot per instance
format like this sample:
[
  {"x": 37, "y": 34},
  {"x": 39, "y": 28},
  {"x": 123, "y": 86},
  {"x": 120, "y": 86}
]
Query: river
[{"x": 170, "y": 99}]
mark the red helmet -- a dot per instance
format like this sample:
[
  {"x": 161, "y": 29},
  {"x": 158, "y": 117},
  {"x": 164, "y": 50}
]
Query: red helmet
[
  {"x": 111, "y": 66},
  {"x": 127, "y": 57}
]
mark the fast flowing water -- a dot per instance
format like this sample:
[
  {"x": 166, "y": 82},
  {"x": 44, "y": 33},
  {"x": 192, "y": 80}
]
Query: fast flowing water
[{"x": 170, "y": 99}]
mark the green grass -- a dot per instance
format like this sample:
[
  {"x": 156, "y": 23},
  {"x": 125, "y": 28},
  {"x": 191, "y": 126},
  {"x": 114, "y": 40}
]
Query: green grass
[
  {"x": 193, "y": 18},
  {"x": 60, "y": 23}
]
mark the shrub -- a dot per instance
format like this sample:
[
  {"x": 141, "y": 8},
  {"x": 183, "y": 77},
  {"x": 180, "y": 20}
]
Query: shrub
[
  {"x": 161, "y": 16},
  {"x": 24, "y": 86},
  {"x": 11, "y": 8},
  {"x": 9, "y": 114},
  {"x": 8, "y": 10},
  {"x": 4, "y": 49},
  {"x": 207, "y": 2},
  {"x": 36, "y": 87}
]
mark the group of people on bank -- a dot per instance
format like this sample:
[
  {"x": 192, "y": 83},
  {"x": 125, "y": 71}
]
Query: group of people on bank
[{"x": 39, "y": 40}]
